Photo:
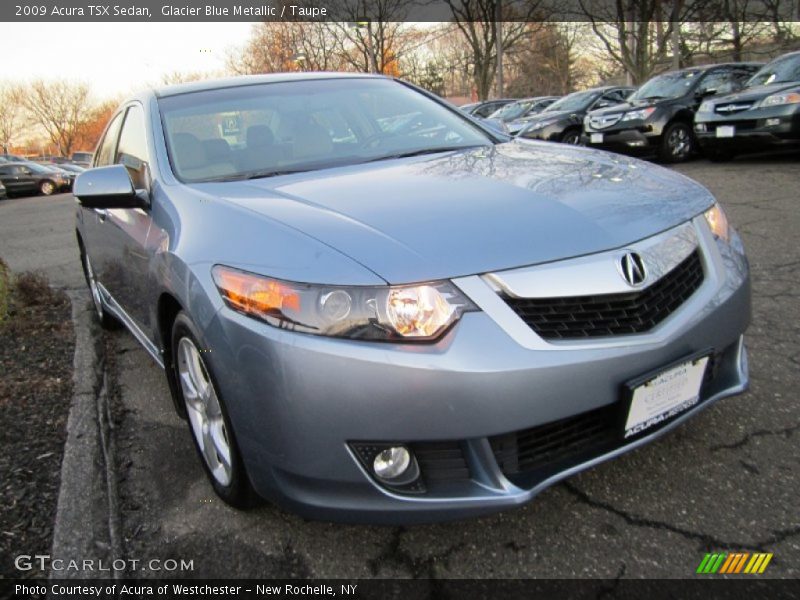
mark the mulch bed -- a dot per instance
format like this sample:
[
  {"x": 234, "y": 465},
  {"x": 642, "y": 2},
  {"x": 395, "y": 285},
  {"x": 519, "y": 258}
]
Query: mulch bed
[{"x": 36, "y": 354}]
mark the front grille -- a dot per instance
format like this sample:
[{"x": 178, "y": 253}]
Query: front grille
[
  {"x": 732, "y": 108},
  {"x": 552, "y": 445},
  {"x": 441, "y": 461},
  {"x": 611, "y": 314}
]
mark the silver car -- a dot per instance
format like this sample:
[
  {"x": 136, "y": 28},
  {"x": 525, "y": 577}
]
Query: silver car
[{"x": 370, "y": 307}]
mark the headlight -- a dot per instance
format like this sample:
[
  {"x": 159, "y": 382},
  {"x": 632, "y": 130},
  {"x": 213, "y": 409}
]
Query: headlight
[
  {"x": 639, "y": 115},
  {"x": 391, "y": 313},
  {"x": 780, "y": 99},
  {"x": 718, "y": 222},
  {"x": 541, "y": 124},
  {"x": 706, "y": 106}
]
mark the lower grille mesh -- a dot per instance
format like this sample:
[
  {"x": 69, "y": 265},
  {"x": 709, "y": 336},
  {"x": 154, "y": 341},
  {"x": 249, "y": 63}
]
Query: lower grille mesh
[{"x": 441, "y": 461}]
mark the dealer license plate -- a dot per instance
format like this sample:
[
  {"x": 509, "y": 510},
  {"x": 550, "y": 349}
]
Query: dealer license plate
[
  {"x": 665, "y": 395},
  {"x": 596, "y": 138},
  {"x": 725, "y": 131}
]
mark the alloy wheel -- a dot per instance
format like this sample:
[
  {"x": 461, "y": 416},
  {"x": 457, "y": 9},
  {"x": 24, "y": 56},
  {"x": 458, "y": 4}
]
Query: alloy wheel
[
  {"x": 679, "y": 142},
  {"x": 204, "y": 412},
  {"x": 48, "y": 188}
]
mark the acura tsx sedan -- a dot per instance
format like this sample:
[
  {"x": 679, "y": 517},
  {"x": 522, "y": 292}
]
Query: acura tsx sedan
[{"x": 369, "y": 307}]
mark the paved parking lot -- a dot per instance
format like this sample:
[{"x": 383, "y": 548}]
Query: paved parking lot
[{"x": 727, "y": 480}]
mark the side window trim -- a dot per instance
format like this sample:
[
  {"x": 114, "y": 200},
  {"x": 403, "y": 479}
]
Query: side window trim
[{"x": 117, "y": 117}]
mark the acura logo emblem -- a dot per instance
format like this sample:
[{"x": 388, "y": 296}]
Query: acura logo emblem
[{"x": 633, "y": 270}]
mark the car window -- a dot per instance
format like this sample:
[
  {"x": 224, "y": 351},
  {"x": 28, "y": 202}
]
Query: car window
[
  {"x": 668, "y": 85},
  {"x": 717, "y": 82},
  {"x": 132, "y": 147},
  {"x": 105, "y": 153},
  {"x": 257, "y": 130},
  {"x": 573, "y": 101},
  {"x": 781, "y": 70}
]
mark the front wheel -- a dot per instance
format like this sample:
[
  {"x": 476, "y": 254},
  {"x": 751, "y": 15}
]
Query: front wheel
[
  {"x": 677, "y": 143},
  {"x": 47, "y": 188},
  {"x": 571, "y": 136},
  {"x": 208, "y": 419}
]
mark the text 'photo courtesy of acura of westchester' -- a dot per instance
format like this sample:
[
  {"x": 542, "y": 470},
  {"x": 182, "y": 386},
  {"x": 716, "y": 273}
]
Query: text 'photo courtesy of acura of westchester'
[{"x": 371, "y": 307}]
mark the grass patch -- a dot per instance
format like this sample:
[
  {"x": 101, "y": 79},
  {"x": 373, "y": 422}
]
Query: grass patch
[{"x": 5, "y": 285}]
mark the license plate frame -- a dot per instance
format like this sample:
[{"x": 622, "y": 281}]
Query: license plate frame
[
  {"x": 726, "y": 131},
  {"x": 636, "y": 420}
]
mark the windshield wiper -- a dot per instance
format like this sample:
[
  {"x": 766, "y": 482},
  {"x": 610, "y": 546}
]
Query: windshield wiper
[
  {"x": 652, "y": 98},
  {"x": 422, "y": 151}
]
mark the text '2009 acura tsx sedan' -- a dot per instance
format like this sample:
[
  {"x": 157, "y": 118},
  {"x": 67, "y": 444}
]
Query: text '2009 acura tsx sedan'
[{"x": 371, "y": 308}]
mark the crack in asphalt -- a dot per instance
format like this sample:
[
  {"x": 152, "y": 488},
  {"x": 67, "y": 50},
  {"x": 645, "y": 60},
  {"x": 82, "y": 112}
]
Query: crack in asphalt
[
  {"x": 708, "y": 542},
  {"x": 608, "y": 590},
  {"x": 418, "y": 568},
  {"x": 786, "y": 432}
]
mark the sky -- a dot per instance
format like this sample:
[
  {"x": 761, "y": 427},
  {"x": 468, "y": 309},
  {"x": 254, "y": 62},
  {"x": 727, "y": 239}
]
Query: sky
[{"x": 115, "y": 59}]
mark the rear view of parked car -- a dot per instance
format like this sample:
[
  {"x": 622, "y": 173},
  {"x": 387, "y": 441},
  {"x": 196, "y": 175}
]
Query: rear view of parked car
[
  {"x": 84, "y": 159},
  {"x": 562, "y": 121},
  {"x": 765, "y": 114},
  {"x": 658, "y": 118}
]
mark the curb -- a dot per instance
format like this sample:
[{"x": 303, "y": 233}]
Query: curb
[{"x": 87, "y": 518}]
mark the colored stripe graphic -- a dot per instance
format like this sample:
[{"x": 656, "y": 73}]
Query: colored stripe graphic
[{"x": 725, "y": 563}]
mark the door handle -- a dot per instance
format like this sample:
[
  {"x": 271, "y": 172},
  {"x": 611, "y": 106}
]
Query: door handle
[{"x": 101, "y": 213}]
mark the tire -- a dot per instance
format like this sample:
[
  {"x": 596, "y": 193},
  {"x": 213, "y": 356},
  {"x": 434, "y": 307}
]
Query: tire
[
  {"x": 106, "y": 320},
  {"x": 47, "y": 187},
  {"x": 720, "y": 155},
  {"x": 207, "y": 417},
  {"x": 677, "y": 143},
  {"x": 571, "y": 137}
]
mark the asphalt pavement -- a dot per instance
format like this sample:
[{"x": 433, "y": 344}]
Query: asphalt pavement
[{"x": 727, "y": 480}]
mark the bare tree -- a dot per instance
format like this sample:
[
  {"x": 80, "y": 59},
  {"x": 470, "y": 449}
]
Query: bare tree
[
  {"x": 10, "y": 115},
  {"x": 637, "y": 34},
  {"x": 60, "y": 108},
  {"x": 476, "y": 19}
]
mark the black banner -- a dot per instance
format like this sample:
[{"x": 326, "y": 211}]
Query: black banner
[
  {"x": 381, "y": 10},
  {"x": 744, "y": 587}
]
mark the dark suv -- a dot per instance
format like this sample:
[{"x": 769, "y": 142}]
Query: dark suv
[
  {"x": 765, "y": 114},
  {"x": 658, "y": 118},
  {"x": 562, "y": 121}
]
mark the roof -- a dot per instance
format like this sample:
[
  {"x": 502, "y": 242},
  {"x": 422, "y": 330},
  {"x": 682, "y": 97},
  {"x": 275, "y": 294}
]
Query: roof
[{"x": 242, "y": 80}]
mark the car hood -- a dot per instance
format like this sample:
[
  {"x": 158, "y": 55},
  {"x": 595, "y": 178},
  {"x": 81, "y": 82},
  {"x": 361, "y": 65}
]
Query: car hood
[
  {"x": 548, "y": 116},
  {"x": 474, "y": 211},
  {"x": 756, "y": 93}
]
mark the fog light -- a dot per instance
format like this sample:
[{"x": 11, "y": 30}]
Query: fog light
[
  {"x": 391, "y": 463},
  {"x": 773, "y": 122}
]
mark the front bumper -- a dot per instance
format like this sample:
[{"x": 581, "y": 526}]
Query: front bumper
[
  {"x": 753, "y": 130},
  {"x": 296, "y": 401},
  {"x": 641, "y": 140}
]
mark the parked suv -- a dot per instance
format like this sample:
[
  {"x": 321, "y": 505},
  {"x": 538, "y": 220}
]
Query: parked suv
[
  {"x": 765, "y": 114},
  {"x": 658, "y": 117},
  {"x": 562, "y": 121}
]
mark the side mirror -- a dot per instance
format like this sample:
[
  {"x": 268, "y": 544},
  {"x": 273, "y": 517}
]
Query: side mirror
[
  {"x": 107, "y": 187},
  {"x": 602, "y": 104},
  {"x": 706, "y": 92}
]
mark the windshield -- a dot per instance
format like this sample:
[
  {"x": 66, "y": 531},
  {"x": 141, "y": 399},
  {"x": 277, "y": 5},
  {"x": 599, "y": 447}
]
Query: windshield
[
  {"x": 274, "y": 128},
  {"x": 781, "y": 70},
  {"x": 574, "y": 101},
  {"x": 669, "y": 85},
  {"x": 511, "y": 111},
  {"x": 37, "y": 168}
]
